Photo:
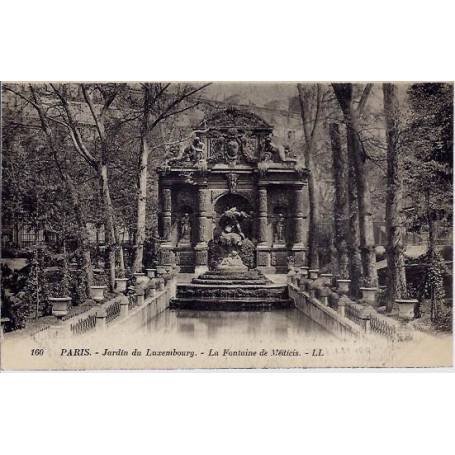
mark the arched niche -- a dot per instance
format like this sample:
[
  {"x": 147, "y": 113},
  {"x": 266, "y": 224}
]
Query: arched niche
[{"x": 241, "y": 203}]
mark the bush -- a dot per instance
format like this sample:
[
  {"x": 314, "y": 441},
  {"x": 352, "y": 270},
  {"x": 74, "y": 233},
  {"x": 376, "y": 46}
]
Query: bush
[{"x": 16, "y": 310}]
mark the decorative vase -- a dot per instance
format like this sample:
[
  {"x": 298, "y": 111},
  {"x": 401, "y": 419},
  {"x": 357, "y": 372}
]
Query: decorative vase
[
  {"x": 160, "y": 269},
  {"x": 120, "y": 284},
  {"x": 369, "y": 295},
  {"x": 141, "y": 277},
  {"x": 160, "y": 284},
  {"x": 60, "y": 306},
  {"x": 406, "y": 308},
  {"x": 326, "y": 278},
  {"x": 97, "y": 293},
  {"x": 314, "y": 274},
  {"x": 151, "y": 273},
  {"x": 343, "y": 286}
]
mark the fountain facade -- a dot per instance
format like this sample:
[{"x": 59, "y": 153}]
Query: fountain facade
[{"x": 233, "y": 207}]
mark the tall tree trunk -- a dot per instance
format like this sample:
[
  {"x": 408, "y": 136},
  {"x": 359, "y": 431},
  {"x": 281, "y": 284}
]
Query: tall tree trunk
[
  {"x": 310, "y": 98},
  {"x": 313, "y": 222},
  {"x": 396, "y": 277},
  {"x": 340, "y": 202},
  {"x": 353, "y": 237},
  {"x": 109, "y": 224},
  {"x": 83, "y": 235},
  {"x": 366, "y": 230},
  {"x": 141, "y": 206},
  {"x": 356, "y": 153}
]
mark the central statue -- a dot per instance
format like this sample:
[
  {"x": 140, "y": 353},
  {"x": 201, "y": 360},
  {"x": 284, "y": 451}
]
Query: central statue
[{"x": 231, "y": 239}]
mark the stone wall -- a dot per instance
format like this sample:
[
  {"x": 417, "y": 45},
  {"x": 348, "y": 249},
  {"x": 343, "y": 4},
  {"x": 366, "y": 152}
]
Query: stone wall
[{"x": 325, "y": 316}]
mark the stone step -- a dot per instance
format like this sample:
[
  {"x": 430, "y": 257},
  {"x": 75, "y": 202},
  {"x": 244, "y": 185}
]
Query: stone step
[{"x": 237, "y": 304}]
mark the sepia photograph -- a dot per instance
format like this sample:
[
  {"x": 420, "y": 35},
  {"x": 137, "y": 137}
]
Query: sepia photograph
[{"x": 226, "y": 225}]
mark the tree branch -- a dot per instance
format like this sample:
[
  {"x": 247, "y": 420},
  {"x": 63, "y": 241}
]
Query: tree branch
[
  {"x": 74, "y": 132},
  {"x": 364, "y": 98}
]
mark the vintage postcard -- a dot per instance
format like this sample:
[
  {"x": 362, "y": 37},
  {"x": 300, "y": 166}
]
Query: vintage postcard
[{"x": 161, "y": 225}]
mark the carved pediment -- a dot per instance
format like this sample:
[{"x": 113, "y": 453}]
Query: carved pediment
[
  {"x": 235, "y": 118},
  {"x": 232, "y": 147}
]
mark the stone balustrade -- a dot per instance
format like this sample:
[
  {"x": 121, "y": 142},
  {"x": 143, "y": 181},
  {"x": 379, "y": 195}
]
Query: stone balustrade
[
  {"x": 331, "y": 307},
  {"x": 148, "y": 299}
]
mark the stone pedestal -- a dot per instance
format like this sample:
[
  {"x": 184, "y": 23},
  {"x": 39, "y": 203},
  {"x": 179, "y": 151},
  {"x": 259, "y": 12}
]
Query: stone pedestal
[
  {"x": 61, "y": 330},
  {"x": 201, "y": 258},
  {"x": 124, "y": 307},
  {"x": 263, "y": 257},
  {"x": 101, "y": 319}
]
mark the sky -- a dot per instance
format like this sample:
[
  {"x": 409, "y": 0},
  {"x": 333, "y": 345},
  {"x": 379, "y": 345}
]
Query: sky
[{"x": 258, "y": 93}]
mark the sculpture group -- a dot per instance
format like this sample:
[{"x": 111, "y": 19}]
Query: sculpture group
[{"x": 232, "y": 186}]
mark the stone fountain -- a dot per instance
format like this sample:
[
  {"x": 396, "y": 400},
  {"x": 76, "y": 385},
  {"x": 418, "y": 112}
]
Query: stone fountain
[{"x": 231, "y": 285}]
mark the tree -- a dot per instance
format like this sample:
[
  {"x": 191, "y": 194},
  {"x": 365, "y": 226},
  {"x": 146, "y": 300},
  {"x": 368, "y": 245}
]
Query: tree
[
  {"x": 429, "y": 173},
  {"x": 396, "y": 276},
  {"x": 340, "y": 210},
  {"x": 159, "y": 103},
  {"x": 106, "y": 94},
  {"x": 311, "y": 99},
  {"x": 358, "y": 174},
  {"x": 54, "y": 138}
]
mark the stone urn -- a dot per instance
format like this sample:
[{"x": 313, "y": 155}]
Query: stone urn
[
  {"x": 151, "y": 273},
  {"x": 406, "y": 308},
  {"x": 326, "y": 278},
  {"x": 160, "y": 284},
  {"x": 160, "y": 269},
  {"x": 97, "y": 293},
  {"x": 369, "y": 295},
  {"x": 314, "y": 273},
  {"x": 141, "y": 277},
  {"x": 120, "y": 284},
  {"x": 60, "y": 306},
  {"x": 324, "y": 296},
  {"x": 343, "y": 286}
]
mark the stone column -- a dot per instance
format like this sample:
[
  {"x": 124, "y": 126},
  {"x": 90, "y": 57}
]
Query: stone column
[
  {"x": 166, "y": 255},
  {"x": 166, "y": 214},
  {"x": 262, "y": 250},
  {"x": 201, "y": 248},
  {"x": 298, "y": 247}
]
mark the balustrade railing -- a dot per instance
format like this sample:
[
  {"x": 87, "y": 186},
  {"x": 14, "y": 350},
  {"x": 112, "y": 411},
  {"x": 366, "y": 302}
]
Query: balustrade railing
[
  {"x": 360, "y": 313},
  {"x": 83, "y": 325},
  {"x": 112, "y": 311},
  {"x": 157, "y": 292}
]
